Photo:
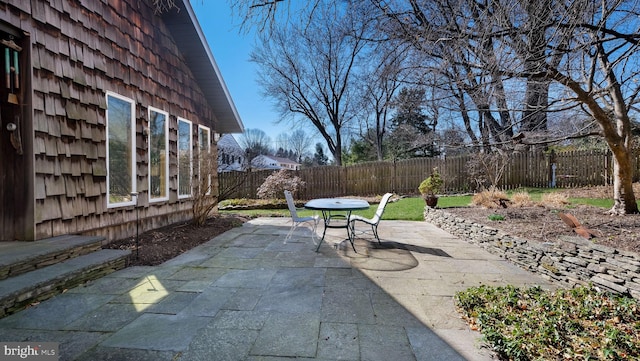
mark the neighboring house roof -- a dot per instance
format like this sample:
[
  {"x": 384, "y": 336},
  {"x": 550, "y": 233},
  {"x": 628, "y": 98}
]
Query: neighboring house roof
[
  {"x": 272, "y": 162},
  {"x": 190, "y": 39},
  {"x": 231, "y": 157},
  {"x": 228, "y": 144},
  {"x": 264, "y": 162},
  {"x": 283, "y": 160}
]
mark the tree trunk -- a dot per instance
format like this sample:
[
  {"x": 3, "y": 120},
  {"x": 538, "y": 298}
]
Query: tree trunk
[
  {"x": 380, "y": 134},
  {"x": 464, "y": 113},
  {"x": 534, "y": 117},
  {"x": 337, "y": 151},
  {"x": 624, "y": 200}
]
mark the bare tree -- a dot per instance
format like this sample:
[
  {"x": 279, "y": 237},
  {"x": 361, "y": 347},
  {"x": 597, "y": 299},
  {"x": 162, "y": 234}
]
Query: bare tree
[
  {"x": 282, "y": 142},
  {"x": 444, "y": 34},
  {"x": 162, "y": 6},
  {"x": 592, "y": 50},
  {"x": 589, "y": 49},
  {"x": 254, "y": 142},
  {"x": 586, "y": 51},
  {"x": 299, "y": 142},
  {"x": 308, "y": 70},
  {"x": 264, "y": 14},
  {"x": 381, "y": 78}
]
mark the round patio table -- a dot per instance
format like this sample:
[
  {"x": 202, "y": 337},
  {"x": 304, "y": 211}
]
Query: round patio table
[{"x": 336, "y": 213}]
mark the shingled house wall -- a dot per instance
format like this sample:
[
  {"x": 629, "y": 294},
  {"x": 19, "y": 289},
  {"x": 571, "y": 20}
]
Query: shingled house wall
[{"x": 79, "y": 50}]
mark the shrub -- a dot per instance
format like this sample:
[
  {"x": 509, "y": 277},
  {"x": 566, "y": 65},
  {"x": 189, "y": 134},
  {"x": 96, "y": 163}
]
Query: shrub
[
  {"x": 496, "y": 217},
  {"x": 275, "y": 185},
  {"x": 533, "y": 324},
  {"x": 487, "y": 169},
  {"x": 432, "y": 184},
  {"x": 521, "y": 199},
  {"x": 554, "y": 200},
  {"x": 492, "y": 198},
  {"x": 235, "y": 202},
  {"x": 205, "y": 190}
]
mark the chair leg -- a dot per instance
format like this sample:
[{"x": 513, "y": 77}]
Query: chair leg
[
  {"x": 321, "y": 239},
  {"x": 375, "y": 232},
  {"x": 313, "y": 232},
  {"x": 293, "y": 228}
]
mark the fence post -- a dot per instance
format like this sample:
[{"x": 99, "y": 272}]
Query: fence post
[
  {"x": 343, "y": 181},
  {"x": 608, "y": 172},
  {"x": 552, "y": 169},
  {"x": 394, "y": 176}
]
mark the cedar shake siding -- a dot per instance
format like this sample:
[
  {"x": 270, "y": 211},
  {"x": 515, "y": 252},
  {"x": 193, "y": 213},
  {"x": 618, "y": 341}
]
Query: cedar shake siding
[{"x": 74, "y": 54}]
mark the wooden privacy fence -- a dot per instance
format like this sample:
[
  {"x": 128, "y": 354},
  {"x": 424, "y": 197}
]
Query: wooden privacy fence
[{"x": 561, "y": 170}]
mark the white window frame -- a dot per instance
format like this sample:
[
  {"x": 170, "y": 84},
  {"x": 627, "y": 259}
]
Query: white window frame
[
  {"x": 201, "y": 130},
  {"x": 183, "y": 120},
  {"x": 153, "y": 199},
  {"x": 132, "y": 200}
]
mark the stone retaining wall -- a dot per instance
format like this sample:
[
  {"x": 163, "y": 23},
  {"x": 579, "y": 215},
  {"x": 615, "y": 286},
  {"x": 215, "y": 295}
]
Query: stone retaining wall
[{"x": 569, "y": 261}]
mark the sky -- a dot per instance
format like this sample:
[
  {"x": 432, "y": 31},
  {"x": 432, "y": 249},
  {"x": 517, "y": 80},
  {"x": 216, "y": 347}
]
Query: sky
[{"x": 231, "y": 49}]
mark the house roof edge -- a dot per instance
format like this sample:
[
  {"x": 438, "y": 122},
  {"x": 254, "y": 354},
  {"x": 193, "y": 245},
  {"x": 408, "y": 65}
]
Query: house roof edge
[{"x": 185, "y": 28}]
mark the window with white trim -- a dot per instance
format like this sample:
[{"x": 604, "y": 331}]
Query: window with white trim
[
  {"x": 121, "y": 145},
  {"x": 158, "y": 140},
  {"x": 185, "y": 158}
]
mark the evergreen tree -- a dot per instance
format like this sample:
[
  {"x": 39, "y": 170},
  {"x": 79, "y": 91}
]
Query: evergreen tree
[
  {"x": 319, "y": 158},
  {"x": 409, "y": 111},
  {"x": 359, "y": 151},
  {"x": 412, "y": 133}
]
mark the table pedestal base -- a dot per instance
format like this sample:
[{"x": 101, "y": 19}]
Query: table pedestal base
[{"x": 343, "y": 222}]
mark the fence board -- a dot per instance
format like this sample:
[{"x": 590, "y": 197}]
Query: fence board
[{"x": 535, "y": 169}]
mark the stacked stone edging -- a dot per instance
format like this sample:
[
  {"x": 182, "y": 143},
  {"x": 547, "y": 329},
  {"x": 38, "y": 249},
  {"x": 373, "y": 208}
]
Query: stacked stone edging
[
  {"x": 569, "y": 261},
  {"x": 33, "y": 263}
]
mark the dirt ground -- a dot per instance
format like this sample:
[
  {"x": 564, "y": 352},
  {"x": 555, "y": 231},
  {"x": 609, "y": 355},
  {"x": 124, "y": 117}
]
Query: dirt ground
[
  {"x": 160, "y": 245},
  {"x": 543, "y": 223},
  {"x": 535, "y": 223}
]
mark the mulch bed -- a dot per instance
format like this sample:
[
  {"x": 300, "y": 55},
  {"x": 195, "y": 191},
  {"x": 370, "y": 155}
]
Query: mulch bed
[{"x": 159, "y": 245}]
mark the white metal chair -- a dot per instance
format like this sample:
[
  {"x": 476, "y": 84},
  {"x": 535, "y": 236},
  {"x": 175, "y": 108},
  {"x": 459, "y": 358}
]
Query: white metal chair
[
  {"x": 298, "y": 221},
  {"x": 373, "y": 222}
]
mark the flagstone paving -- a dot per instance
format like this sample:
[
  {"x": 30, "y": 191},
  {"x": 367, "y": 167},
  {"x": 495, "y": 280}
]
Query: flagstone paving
[{"x": 248, "y": 295}]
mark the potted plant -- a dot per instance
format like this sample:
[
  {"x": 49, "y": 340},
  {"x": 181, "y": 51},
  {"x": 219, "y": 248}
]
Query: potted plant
[{"x": 430, "y": 187}]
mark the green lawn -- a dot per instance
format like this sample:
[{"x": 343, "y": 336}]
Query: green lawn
[
  {"x": 403, "y": 209},
  {"x": 596, "y": 202},
  {"x": 412, "y": 208},
  {"x": 408, "y": 209}
]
